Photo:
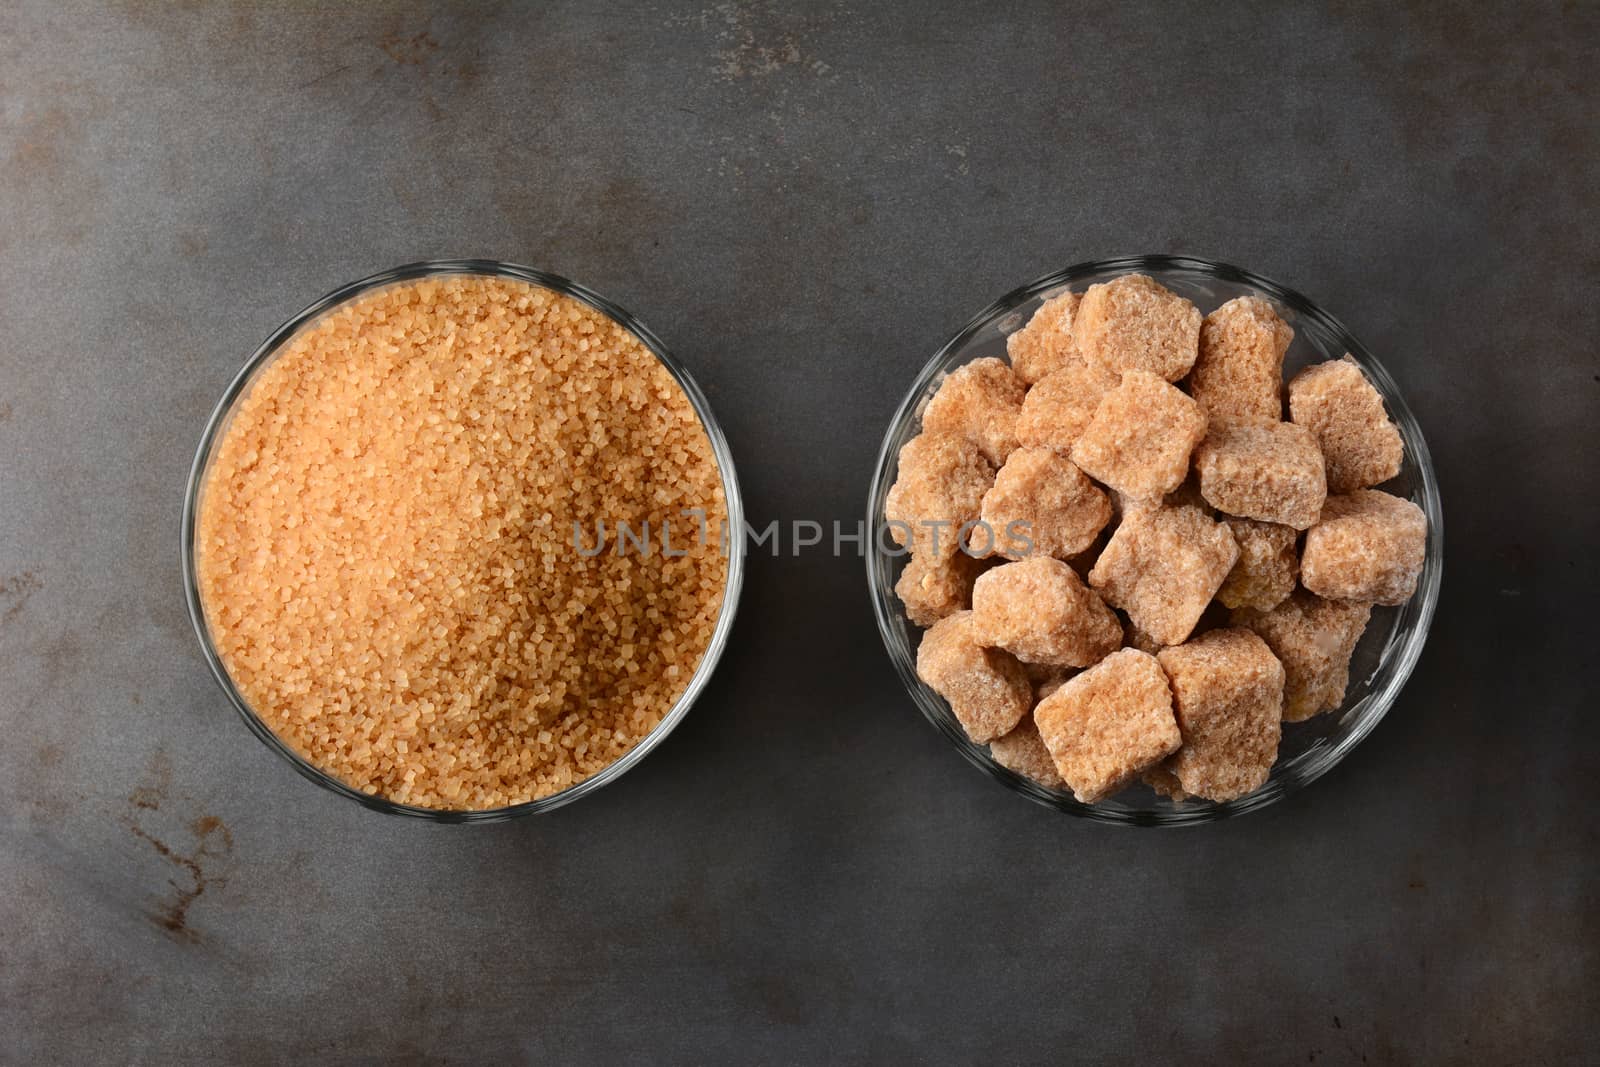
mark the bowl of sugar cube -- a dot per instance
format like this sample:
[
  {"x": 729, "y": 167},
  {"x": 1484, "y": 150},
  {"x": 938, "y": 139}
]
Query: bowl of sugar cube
[{"x": 1156, "y": 541}]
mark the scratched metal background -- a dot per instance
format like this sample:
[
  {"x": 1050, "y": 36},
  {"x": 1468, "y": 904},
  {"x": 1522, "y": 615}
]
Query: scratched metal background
[{"x": 804, "y": 200}]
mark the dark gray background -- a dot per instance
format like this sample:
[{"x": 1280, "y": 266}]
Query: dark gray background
[{"x": 804, "y": 202}]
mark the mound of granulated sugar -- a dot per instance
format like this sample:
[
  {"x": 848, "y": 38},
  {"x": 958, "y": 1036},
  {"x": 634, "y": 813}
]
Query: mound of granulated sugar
[{"x": 386, "y": 547}]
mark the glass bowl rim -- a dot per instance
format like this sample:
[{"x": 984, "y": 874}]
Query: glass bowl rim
[
  {"x": 1410, "y": 642},
  {"x": 263, "y": 354}
]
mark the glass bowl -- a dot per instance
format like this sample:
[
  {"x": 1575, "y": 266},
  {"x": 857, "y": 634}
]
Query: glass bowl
[
  {"x": 1388, "y": 649},
  {"x": 264, "y": 355}
]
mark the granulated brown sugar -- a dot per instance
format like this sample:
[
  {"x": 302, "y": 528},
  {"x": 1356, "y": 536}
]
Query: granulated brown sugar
[{"x": 386, "y": 549}]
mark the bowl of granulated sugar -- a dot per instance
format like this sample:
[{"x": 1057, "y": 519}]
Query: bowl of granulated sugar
[{"x": 456, "y": 541}]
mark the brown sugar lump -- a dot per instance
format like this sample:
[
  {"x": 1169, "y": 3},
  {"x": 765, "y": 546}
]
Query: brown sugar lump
[
  {"x": 1135, "y": 323},
  {"x": 1046, "y": 679},
  {"x": 1187, "y": 494},
  {"x": 1313, "y": 638},
  {"x": 1133, "y": 637},
  {"x": 1162, "y": 566},
  {"x": 1042, "y": 504},
  {"x": 933, "y": 588},
  {"x": 1239, "y": 374},
  {"x": 1267, "y": 567},
  {"x": 1045, "y": 344},
  {"x": 939, "y": 487},
  {"x": 1227, "y": 695},
  {"x": 1039, "y": 610},
  {"x": 979, "y": 401},
  {"x": 1109, "y": 724},
  {"x": 1054, "y": 681},
  {"x": 1359, "y": 443},
  {"x": 386, "y": 547},
  {"x": 1269, "y": 471},
  {"x": 1165, "y": 783},
  {"x": 1369, "y": 546},
  {"x": 1057, "y": 410},
  {"x": 1023, "y": 751},
  {"x": 986, "y": 688},
  {"x": 1141, "y": 436},
  {"x": 1040, "y": 674}
]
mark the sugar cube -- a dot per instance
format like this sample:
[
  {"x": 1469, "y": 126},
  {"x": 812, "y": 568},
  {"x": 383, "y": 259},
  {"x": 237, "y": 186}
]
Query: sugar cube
[
  {"x": 1227, "y": 695},
  {"x": 1165, "y": 783},
  {"x": 1341, "y": 408},
  {"x": 939, "y": 488},
  {"x": 1040, "y": 674},
  {"x": 979, "y": 401},
  {"x": 1023, "y": 751},
  {"x": 1313, "y": 638},
  {"x": 1057, "y": 410},
  {"x": 986, "y": 688},
  {"x": 1135, "y": 323},
  {"x": 1045, "y": 344},
  {"x": 1187, "y": 494},
  {"x": 1239, "y": 374},
  {"x": 1050, "y": 684},
  {"x": 1039, "y": 610},
  {"x": 1106, "y": 726},
  {"x": 1271, "y": 471},
  {"x": 1140, "y": 437},
  {"x": 934, "y": 587},
  {"x": 1041, "y": 503},
  {"x": 1162, "y": 566},
  {"x": 1133, "y": 637},
  {"x": 1267, "y": 566},
  {"x": 1369, "y": 546}
]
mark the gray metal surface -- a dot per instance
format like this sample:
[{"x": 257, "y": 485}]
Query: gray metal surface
[{"x": 804, "y": 201}]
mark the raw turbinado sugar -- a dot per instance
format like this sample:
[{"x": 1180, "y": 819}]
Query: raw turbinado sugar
[
  {"x": 1109, "y": 724},
  {"x": 1046, "y": 686},
  {"x": 932, "y": 588},
  {"x": 1192, "y": 496},
  {"x": 1045, "y": 344},
  {"x": 1369, "y": 546},
  {"x": 1135, "y": 323},
  {"x": 1133, "y": 637},
  {"x": 1227, "y": 695},
  {"x": 1270, "y": 471},
  {"x": 1238, "y": 376},
  {"x": 379, "y": 562},
  {"x": 1213, "y": 617},
  {"x": 1057, "y": 409},
  {"x": 1041, "y": 674},
  {"x": 1360, "y": 445},
  {"x": 979, "y": 401},
  {"x": 1039, "y": 610},
  {"x": 1041, "y": 503},
  {"x": 1141, "y": 436},
  {"x": 986, "y": 688},
  {"x": 1022, "y": 751},
  {"x": 1313, "y": 638},
  {"x": 939, "y": 487},
  {"x": 1165, "y": 783},
  {"x": 1162, "y": 566},
  {"x": 1265, "y": 571}
]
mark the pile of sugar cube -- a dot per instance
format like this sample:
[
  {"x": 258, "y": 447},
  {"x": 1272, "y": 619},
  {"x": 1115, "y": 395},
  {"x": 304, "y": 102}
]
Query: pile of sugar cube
[{"x": 1130, "y": 565}]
